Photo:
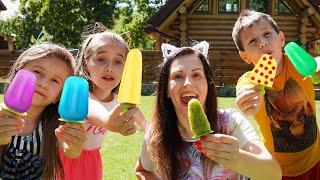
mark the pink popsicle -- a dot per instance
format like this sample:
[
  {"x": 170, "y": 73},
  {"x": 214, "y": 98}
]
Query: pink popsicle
[{"x": 18, "y": 96}]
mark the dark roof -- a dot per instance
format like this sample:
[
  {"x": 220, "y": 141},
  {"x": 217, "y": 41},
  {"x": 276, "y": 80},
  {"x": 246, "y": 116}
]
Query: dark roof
[
  {"x": 316, "y": 4},
  {"x": 162, "y": 14},
  {"x": 2, "y": 6}
]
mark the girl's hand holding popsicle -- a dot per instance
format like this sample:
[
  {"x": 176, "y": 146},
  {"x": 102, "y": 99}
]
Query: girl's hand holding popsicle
[
  {"x": 71, "y": 137},
  {"x": 9, "y": 127}
]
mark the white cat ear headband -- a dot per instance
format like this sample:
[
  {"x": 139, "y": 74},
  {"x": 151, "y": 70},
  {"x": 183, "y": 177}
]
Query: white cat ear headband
[{"x": 168, "y": 49}]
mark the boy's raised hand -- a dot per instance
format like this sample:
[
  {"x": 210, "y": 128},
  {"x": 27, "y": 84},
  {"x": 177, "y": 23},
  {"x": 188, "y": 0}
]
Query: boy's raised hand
[
  {"x": 9, "y": 126},
  {"x": 71, "y": 137},
  {"x": 249, "y": 99}
]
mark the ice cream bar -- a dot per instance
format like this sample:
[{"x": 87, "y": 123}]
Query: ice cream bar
[
  {"x": 264, "y": 71},
  {"x": 18, "y": 96},
  {"x": 198, "y": 120},
  {"x": 73, "y": 106},
  {"x": 304, "y": 63},
  {"x": 130, "y": 86}
]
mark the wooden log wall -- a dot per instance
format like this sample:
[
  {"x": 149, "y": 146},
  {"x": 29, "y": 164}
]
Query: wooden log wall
[
  {"x": 217, "y": 29},
  {"x": 6, "y": 60},
  {"x": 226, "y": 66}
]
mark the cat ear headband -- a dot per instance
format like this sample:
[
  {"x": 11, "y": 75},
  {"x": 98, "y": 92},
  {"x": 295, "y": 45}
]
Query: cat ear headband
[{"x": 168, "y": 49}]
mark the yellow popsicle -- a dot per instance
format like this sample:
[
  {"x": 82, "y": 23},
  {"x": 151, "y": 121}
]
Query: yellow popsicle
[
  {"x": 264, "y": 71},
  {"x": 130, "y": 86}
]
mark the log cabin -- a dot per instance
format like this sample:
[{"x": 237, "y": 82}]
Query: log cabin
[
  {"x": 180, "y": 22},
  {"x": 6, "y": 49}
]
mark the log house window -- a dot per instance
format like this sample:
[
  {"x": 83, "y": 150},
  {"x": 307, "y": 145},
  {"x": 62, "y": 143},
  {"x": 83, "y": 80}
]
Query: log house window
[
  {"x": 204, "y": 7},
  {"x": 258, "y": 5},
  {"x": 229, "y": 6},
  {"x": 283, "y": 8}
]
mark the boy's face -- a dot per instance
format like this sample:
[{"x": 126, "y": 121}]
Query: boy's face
[{"x": 261, "y": 39}]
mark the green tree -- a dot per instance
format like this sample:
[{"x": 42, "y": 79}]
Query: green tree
[
  {"x": 63, "y": 19},
  {"x": 133, "y": 17}
]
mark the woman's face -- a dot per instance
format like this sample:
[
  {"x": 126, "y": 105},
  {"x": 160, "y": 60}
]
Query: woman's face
[{"x": 187, "y": 80}]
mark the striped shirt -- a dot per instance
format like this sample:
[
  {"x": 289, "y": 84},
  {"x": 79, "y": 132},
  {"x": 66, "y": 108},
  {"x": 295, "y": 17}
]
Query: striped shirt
[{"x": 22, "y": 159}]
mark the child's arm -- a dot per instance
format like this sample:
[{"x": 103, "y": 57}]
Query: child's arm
[
  {"x": 115, "y": 121},
  {"x": 71, "y": 137},
  {"x": 249, "y": 96},
  {"x": 9, "y": 127}
]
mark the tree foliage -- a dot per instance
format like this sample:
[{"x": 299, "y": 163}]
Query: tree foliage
[
  {"x": 64, "y": 20},
  {"x": 133, "y": 18}
]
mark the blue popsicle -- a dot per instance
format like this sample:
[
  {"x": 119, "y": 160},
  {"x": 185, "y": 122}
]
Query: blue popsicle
[{"x": 73, "y": 106}]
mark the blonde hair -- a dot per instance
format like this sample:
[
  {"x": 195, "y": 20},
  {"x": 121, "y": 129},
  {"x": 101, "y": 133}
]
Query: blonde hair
[
  {"x": 52, "y": 166},
  {"x": 89, "y": 47}
]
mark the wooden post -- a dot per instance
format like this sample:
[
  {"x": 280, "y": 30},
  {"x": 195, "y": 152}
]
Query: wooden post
[
  {"x": 243, "y": 5},
  {"x": 183, "y": 24},
  {"x": 9, "y": 39},
  {"x": 214, "y": 7}
]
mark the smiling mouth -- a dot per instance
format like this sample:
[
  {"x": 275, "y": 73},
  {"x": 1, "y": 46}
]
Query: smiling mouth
[
  {"x": 108, "y": 78},
  {"x": 186, "y": 98},
  {"x": 41, "y": 94}
]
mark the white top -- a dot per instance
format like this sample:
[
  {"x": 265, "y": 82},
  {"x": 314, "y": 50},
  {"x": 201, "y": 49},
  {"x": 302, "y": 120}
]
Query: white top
[
  {"x": 237, "y": 126},
  {"x": 95, "y": 135}
]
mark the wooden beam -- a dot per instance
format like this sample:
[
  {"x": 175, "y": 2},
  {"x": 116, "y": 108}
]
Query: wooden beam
[
  {"x": 308, "y": 12},
  {"x": 305, "y": 29},
  {"x": 316, "y": 15}
]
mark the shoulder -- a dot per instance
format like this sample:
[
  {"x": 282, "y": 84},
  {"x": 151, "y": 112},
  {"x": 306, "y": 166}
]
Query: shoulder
[{"x": 231, "y": 118}]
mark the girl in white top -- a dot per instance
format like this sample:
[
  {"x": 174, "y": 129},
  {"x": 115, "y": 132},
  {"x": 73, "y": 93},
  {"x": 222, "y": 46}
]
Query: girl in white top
[
  {"x": 101, "y": 61},
  {"x": 169, "y": 152}
]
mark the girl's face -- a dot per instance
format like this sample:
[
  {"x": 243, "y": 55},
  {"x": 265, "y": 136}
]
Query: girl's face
[
  {"x": 187, "y": 80},
  {"x": 106, "y": 65},
  {"x": 51, "y": 73}
]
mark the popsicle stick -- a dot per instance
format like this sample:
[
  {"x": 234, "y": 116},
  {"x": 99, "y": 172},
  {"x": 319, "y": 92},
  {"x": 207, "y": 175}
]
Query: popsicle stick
[
  {"x": 7, "y": 112},
  {"x": 71, "y": 121}
]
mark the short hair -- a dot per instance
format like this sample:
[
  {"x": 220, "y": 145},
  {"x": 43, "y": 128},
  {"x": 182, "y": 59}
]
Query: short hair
[{"x": 246, "y": 19}]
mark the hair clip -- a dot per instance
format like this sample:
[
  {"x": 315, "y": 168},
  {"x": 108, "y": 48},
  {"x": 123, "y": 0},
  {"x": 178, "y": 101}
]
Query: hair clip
[
  {"x": 75, "y": 53},
  {"x": 168, "y": 49},
  {"x": 42, "y": 37}
]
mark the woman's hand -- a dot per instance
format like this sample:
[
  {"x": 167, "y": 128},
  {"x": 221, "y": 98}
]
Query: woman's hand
[
  {"x": 9, "y": 126},
  {"x": 71, "y": 137},
  {"x": 221, "y": 148}
]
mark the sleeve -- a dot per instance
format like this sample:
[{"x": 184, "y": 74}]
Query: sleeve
[
  {"x": 145, "y": 156},
  {"x": 241, "y": 128}
]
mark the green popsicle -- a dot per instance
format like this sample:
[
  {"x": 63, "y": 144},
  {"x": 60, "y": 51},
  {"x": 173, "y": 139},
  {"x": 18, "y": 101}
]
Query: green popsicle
[
  {"x": 198, "y": 120},
  {"x": 304, "y": 63}
]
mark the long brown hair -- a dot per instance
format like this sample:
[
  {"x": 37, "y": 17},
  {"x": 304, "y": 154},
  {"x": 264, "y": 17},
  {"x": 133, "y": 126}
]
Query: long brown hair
[
  {"x": 89, "y": 47},
  {"x": 165, "y": 142},
  {"x": 49, "y": 145}
]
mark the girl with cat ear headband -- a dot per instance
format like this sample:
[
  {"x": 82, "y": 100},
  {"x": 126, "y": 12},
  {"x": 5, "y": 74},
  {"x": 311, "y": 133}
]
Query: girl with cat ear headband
[{"x": 169, "y": 50}]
